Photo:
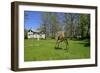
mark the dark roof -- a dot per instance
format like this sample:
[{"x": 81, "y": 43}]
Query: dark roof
[
  {"x": 30, "y": 30},
  {"x": 35, "y": 31}
]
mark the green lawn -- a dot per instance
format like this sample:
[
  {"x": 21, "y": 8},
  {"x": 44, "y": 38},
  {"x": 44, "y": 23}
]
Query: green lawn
[{"x": 35, "y": 50}]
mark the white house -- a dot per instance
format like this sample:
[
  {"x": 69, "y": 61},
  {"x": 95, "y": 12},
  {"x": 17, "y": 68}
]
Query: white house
[
  {"x": 38, "y": 35},
  {"x": 30, "y": 34}
]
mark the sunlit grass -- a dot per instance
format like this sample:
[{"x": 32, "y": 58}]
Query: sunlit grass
[{"x": 35, "y": 50}]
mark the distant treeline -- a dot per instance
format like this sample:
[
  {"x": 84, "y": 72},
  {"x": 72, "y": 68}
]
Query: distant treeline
[{"x": 74, "y": 25}]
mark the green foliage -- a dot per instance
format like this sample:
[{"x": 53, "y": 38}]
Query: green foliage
[
  {"x": 85, "y": 25},
  {"x": 50, "y": 24},
  {"x": 73, "y": 24},
  {"x": 25, "y": 34}
]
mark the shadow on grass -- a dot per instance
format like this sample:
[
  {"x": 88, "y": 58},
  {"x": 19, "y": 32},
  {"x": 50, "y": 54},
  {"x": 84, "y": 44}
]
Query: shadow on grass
[
  {"x": 86, "y": 44},
  {"x": 58, "y": 48}
]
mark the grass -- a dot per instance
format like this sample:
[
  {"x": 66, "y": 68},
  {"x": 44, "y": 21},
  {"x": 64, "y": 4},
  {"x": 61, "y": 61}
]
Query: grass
[{"x": 38, "y": 50}]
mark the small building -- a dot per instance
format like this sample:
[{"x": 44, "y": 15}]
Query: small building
[{"x": 35, "y": 34}]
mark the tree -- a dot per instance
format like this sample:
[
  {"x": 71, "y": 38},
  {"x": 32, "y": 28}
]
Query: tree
[
  {"x": 49, "y": 24},
  {"x": 85, "y": 25},
  {"x": 69, "y": 19},
  {"x": 44, "y": 24},
  {"x": 25, "y": 33},
  {"x": 25, "y": 30},
  {"x": 54, "y": 24}
]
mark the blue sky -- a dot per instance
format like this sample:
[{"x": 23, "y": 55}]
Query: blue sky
[{"x": 32, "y": 19}]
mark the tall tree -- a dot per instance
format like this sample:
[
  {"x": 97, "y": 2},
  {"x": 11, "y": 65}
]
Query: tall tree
[
  {"x": 25, "y": 30},
  {"x": 50, "y": 24},
  {"x": 54, "y": 24},
  {"x": 84, "y": 25},
  {"x": 44, "y": 24},
  {"x": 69, "y": 28}
]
